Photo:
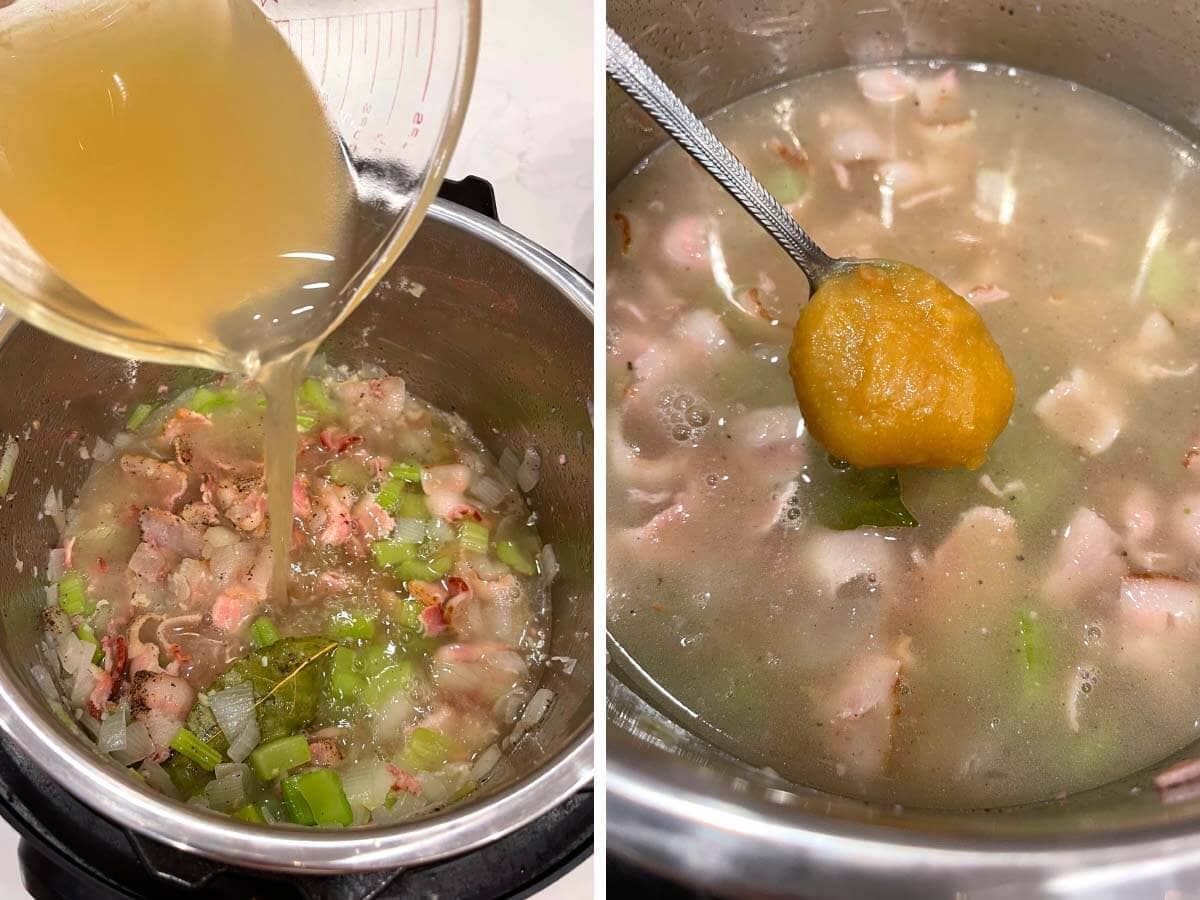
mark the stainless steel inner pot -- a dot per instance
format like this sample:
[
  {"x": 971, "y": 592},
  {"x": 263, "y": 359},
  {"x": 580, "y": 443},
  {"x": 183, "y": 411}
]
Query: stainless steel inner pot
[
  {"x": 679, "y": 806},
  {"x": 478, "y": 320}
]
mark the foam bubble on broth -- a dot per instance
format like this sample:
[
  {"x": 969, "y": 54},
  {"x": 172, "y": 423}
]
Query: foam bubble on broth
[{"x": 964, "y": 662}]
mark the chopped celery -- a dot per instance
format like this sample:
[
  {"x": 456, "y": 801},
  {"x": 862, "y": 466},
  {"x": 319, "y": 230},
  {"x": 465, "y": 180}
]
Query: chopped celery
[
  {"x": 138, "y": 417},
  {"x": 349, "y": 472},
  {"x": 441, "y": 565},
  {"x": 85, "y": 633},
  {"x": 787, "y": 183},
  {"x": 392, "y": 553},
  {"x": 304, "y": 422},
  {"x": 381, "y": 688},
  {"x": 425, "y": 750},
  {"x": 206, "y": 400},
  {"x": 323, "y": 794},
  {"x": 312, "y": 393},
  {"x": 408, "y": 614},
  {"x": 294, "y": 803},
  {"x": 263, "y": 633},
  {"x": 1035, "y": 650},
  {"x": 344, "y": 681},
  {"x": 473, "y": 536},
  {"x": 187, "y": 744},
  {"x": 251, "y": 813},
  {"x": 272, "y": 759},
  {"x": 72, "y": 593},
  {"x": 412, "y": 506},
  {"x": 513, "y": 557},
  {"x": 390, "y": 494},
  {"x": 406, "y": 471},
  {"x": 416, "y": 570},
  {"x": 1167, "y": 277},
  {"x": 347, "y": 625},
  {"x": 375, "y": 659}
]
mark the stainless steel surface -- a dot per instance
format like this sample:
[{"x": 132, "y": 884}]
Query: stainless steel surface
[
  {"x": 677, "y": 804},
  {"x": 638, "y": 80},
  {"x": 478, "y": 320}
]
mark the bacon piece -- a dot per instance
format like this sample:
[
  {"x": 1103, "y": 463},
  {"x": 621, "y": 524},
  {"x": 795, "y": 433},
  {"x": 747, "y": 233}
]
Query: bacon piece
[
  {"x": 337, "y": 441},
  {"x": 164, "y": 480},
  {"x": 433, "y": 622},
  {"x": 301, "y": 502},
  {"x": 940, "y": 100},
  {"x": 404, "y": 781},
  {"x": 1081, "y": 411},
  {"x": 869, "y": 683},
  {"x": 884, "y": 85},
  {"x": 1159, "y": 602},
  {"x": 325, "y": 753},
  {"x": 169, "y": 532},
  {"x": 1086, "y": 562},
  {"x": 371, "y": 519},
  {"x": 161, "y": 702}
]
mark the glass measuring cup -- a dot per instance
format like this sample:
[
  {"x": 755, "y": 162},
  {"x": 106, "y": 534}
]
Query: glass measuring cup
[{"x": 393, "y": 77}]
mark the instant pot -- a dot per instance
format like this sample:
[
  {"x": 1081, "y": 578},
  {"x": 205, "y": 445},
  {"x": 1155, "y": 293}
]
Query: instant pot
[
  {"x": 681, "y": 810},
  {"x": 479, "y": 321}
]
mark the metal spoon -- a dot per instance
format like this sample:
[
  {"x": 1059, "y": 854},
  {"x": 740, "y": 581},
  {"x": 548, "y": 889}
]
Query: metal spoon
[{"x": 632, "y": 73}]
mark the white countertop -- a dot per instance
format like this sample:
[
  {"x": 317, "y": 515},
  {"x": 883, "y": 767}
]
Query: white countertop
[{"x": 529, "y": 133}]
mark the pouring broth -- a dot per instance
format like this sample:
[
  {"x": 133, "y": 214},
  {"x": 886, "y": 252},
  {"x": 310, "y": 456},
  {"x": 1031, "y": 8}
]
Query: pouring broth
[
  {"x": 289, "y": 597},
  {"x": 937, "y": 638}
]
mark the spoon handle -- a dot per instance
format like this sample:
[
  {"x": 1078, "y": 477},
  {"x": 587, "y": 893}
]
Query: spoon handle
[{"x": 632, "y": 73}]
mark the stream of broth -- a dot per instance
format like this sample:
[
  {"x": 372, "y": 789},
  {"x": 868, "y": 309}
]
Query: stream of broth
[
  {"x": 180, "y": 173},
  {"x": 1066, "y": 218}
]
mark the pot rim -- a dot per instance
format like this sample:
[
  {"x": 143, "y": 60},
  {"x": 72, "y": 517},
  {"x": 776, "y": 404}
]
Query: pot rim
[
  {"x": 656, "y": 812},
  {"x": 292, "y": 849}
]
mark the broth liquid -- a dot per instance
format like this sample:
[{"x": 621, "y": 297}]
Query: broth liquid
[{"x": 180, "y": 174}]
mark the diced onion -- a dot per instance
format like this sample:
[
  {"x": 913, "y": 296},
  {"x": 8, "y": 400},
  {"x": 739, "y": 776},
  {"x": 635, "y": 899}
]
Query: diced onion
[
  {"x": 488, "y": 491},
  {"x": 486, "y": 567},
  {"x": 549, "y": 564},
  {"x": 52, "y": 595},
  {"x": 484, "y": 764},
  {"x": 509, "y": 463},
  {"x": 42, "y": 679},
  {"x": 367, "y": 784},
  {"x": 534, "y": 710},
  {"x": 530, "y": 470},
  {"x": 439, "y": 530},
  {"x": 103, "y": 451},
  {"x": 52, "y": 506},
  {"x": 567, "y": 663},
  {"x": 138, "y": 745},
  {"x": 56, "y": 564},
  {"x": 123, "y": 439},
  {"x": 76, "y": 655},
  {"x": 113, "y": 734},
  {"x": 232, "y": 708},
  {"x": 245, "y": 742},
  {"x": 406, "y": 806},
  {"x": 409, "y": 531},
  {"x": 8, "y": 464},
  {"x": 223, "y": 769},
  {"x": 156, "y": 776}
]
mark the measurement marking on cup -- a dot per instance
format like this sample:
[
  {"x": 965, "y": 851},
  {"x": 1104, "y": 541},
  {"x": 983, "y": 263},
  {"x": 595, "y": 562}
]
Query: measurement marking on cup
[
  {"x": 353, "y": 57},
  {"x": 400, "y": 76},
  {"x": 350, "y": 72},
  {"x": 432, "y": 44}
]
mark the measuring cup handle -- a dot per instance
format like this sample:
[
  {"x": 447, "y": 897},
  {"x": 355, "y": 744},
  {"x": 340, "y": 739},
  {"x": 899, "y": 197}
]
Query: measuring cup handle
[{"x": 472, "y": 192}]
